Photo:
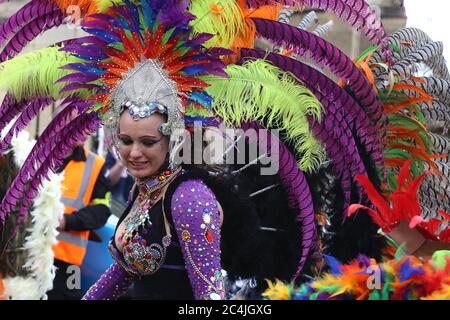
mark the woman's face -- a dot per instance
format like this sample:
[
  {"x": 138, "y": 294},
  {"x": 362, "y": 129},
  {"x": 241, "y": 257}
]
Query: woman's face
[{"x": 142, "y": 147}]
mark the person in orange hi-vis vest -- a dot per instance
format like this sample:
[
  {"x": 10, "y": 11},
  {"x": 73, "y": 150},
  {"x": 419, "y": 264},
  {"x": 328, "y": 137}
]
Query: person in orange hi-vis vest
[{"x": 86, "y": 194}]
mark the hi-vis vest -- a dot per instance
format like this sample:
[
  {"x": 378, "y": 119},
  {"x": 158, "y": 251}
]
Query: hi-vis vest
[{"x": 78, "y": 186}]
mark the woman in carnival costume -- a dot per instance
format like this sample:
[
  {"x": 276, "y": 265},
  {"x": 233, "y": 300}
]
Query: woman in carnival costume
[{"x": 149, "y": 70}]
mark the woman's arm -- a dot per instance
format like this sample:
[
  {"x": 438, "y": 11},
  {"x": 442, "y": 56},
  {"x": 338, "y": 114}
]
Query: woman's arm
[
  {"x": 197, "y": 221},
  {"x": 112, "y": 284}
]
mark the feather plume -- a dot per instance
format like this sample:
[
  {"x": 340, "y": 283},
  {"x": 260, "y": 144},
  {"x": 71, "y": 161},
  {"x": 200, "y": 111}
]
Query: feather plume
[
  {"x": 45, "y": 214},
  {"x": 24, "y": 119},
  {"x": 329, "y": 93},
  {"x": 259, "y": 91},
  {"x": 35, "y": 73},
  {"x": 51, "y": 157},
  {"x": 323, "y": 30},
  {"x": 439, "y": 89},
  {"x": 226, "y": 20},
  {"x": 308, "y": 20},
  {"x": 9, "y": 109},
  {"x": 405, "y": 278},
  {"x": 355, "y": 12},
  {"x": 285, "y": 15},
  {"x": 76, "y": 131},
  {"x": 41, "y": 150},
  {"x": 324, "y": 53},
  {"x": 31, "y": 11},
  {"x": 28, "y": 33}
]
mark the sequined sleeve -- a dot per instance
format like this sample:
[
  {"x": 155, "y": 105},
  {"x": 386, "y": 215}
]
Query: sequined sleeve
[
  {"x": 197, "y": 222},
  {"x": 112, "y": 284}
]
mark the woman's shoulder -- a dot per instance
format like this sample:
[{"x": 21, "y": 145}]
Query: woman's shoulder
[
  {"x": 189, "y": 179},
  {"x": 192, "y": 189}
]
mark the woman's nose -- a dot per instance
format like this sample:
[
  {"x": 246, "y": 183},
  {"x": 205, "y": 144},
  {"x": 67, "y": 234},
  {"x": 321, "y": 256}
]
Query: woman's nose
[{"x": 135, "y": 151}]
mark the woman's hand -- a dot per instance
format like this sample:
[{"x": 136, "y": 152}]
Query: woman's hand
[{"x": 415, "y": 243}]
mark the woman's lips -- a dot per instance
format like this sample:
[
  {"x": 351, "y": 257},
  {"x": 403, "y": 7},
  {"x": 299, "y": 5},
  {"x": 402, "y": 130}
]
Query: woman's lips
[{"x": 138, "y": 165}]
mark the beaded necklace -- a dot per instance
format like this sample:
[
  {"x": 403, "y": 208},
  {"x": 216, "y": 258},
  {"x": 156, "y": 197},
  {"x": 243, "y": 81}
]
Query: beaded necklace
[{"x": 149, "y": 193}]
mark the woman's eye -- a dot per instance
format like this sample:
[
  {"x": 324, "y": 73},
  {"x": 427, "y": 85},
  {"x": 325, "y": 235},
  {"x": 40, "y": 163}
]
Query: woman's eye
[
  {"x": 148, "y": 143},
  {"x": 126, "y": 142}
]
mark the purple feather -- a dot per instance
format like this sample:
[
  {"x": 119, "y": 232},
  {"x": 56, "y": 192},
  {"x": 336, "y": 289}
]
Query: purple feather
[
  {"x": 31, "y": 11},
  {"x": 104, "y": 17},
  {"x": 78, "y": 78},
  {"x": 60, "y": 121},
  {"x": 85, "y": 40},
  {"x": 76, "y": 131},
  {"x": 174, "y": 13},
  {"x": 373, "y": 26},
  {"x": 9, "y": 110},
  {"x": 156, "y": 5},
  {"x": 324, "y": 52},
  {"x": 77, "y": 86},
  {"x": 90, "y": 68},
  {"x": 218, "y": 52},
  {"x": 97, "y": 24},
  {"x": 135, "y": 19},
  {"x": 321, "y": 86},
  {"x": 364, "y": 261},
  {"x": 299, "y": 195},
  {"x": 45, "y": 156},
  {"x": 25, "y": 118},
  {"x": 355, "y": 12},
  {"x": 338, "y": 156},
  {"x": 109, "y": 36},
  {"x": 258, "y": 3},
  {"x": 88, "y": 50},
  {"x": 28, "y": 33},
  {"x": 198, "y": 40},
  {"x": 125, "y": 15}
]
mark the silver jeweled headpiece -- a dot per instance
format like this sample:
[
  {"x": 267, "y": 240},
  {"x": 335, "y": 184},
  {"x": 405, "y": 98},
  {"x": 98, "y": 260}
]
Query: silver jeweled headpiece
[{"x": 145, "y": 90}]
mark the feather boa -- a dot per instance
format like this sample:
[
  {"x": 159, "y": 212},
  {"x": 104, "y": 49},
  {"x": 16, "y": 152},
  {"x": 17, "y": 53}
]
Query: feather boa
[
  {"x": 42, "y": 234},
  {"x": 405, "y": 278}
]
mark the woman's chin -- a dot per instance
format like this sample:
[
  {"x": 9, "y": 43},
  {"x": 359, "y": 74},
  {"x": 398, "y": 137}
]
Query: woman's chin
[{"x": 140, "y": 173}]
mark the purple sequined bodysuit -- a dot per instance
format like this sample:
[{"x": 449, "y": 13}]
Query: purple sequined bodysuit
[{"x": 191, "y": 268}]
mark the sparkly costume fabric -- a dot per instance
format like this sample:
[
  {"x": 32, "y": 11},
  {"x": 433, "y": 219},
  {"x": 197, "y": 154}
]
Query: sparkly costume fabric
[
  {"x": 192, "y": 268},
  {"x": 111, "y": 285},
  {"x": 197, "y": 220}
]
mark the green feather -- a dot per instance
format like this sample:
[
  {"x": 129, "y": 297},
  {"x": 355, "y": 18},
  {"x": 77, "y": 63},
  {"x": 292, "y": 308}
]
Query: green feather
[
  {"x": 440, "y": 258},
  {"x": 103, "y": 5},
  {"x": 375, "y": 295},
  {"x": 385, "y": 292},
  {"x": 400, "y": 253},
  {"x": 167, "y": 35},
  {"x": 226, "y": 25},
  {"x": 259, "y": 91},
  {"x": 35, "y": 73},
  {"x": 198, "y": 112}
]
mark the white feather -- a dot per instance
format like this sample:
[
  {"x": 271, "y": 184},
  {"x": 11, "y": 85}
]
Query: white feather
[{"x": 42, "y": 235}]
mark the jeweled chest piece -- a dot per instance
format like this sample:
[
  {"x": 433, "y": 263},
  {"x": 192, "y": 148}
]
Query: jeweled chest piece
[
  {"x": 146, "y": 259},
  {"x": 139, "y": 217}
]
